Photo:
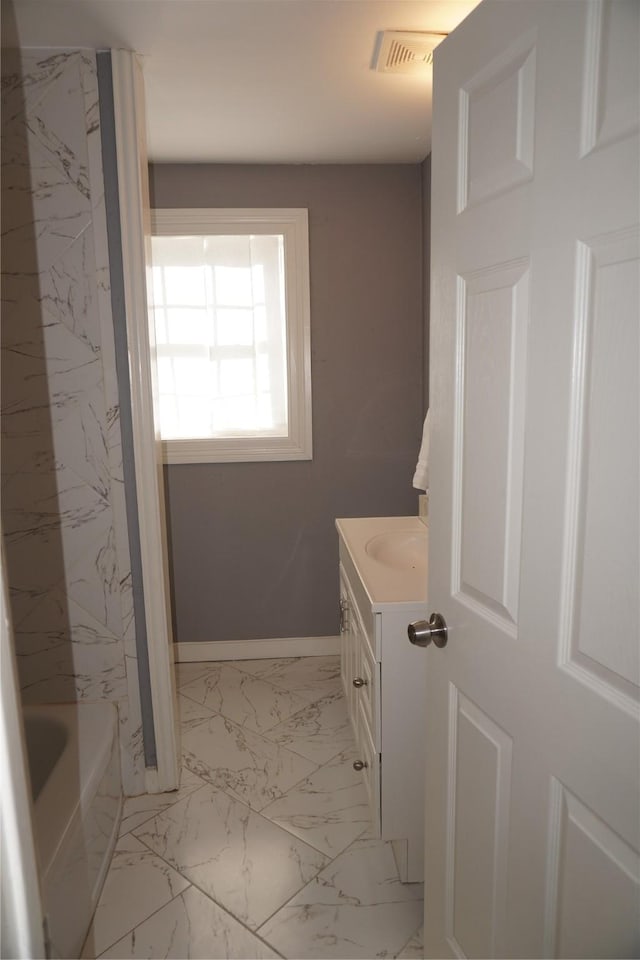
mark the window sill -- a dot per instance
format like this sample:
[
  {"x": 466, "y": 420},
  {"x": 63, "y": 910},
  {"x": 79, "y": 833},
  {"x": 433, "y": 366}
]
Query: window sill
[{"x": 236, "y": 450}]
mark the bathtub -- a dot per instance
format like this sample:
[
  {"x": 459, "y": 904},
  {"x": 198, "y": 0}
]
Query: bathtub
[{"x": 75, "y": 778}]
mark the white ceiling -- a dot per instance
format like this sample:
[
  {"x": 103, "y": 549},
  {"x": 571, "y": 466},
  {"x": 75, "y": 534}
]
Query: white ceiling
[{"x": 261, "y": 81}]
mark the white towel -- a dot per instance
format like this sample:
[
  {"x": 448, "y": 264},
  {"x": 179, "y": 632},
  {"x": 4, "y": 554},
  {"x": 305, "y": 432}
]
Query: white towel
[{"x": 421, "y": 476}]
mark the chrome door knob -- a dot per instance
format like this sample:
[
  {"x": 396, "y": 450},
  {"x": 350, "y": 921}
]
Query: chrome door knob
[
  {"x": 359, "y": 682},
  {"x": 422, "y": 632},
  {"x": 360, "y": 764}
]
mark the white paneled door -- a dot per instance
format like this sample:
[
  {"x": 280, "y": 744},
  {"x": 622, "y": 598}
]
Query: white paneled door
[{"x": 533, "y": 739}]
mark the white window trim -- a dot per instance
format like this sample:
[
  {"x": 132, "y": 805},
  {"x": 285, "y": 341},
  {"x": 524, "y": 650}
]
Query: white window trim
[{"x": 293, "y": 224}]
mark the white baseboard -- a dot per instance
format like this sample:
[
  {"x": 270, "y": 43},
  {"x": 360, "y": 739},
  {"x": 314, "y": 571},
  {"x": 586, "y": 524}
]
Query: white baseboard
[{"x": 256, "y": 649}]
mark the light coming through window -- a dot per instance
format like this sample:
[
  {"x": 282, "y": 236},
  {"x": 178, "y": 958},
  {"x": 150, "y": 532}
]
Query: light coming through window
[{"x": 224, "y": 307}]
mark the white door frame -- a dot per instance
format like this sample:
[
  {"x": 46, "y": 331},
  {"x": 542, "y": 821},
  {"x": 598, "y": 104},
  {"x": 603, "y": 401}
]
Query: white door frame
[{"x": 133, "y": 191}]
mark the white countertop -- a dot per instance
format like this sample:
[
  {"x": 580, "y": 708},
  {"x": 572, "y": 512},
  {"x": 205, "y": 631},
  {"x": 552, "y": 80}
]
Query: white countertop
[{"x": 390, "y": 557}]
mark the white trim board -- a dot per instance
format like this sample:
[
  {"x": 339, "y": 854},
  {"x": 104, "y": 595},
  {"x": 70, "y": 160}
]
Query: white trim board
[
  {"x": 133, "y": 189},
  {"x": 256, "y": 649}
]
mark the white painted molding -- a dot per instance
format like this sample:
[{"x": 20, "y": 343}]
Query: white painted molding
[
  {"x": 128, "y": 96},
  {"x": 257, "y": 649},
  {"x": 151, "y": 782},
  {"x": 292, "y": 223}
]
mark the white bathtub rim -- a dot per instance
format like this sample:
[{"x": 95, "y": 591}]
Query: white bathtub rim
[{"x": 54, "y": 815}]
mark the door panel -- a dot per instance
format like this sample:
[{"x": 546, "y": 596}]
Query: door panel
[
  {"x": 611, "y": 98},
  {"x": 500, "y": 98},
  {"x": 582, "y": 844},
  {"x": 602, "y": 552},
  {"x": 492, "y": 319},
  {"x": 533, "y": 727},
  {"x": 479, "y": 779}
]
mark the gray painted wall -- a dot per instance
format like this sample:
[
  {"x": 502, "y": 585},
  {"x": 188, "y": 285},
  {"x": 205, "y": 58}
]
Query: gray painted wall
[{"x": 253, "y": 545}]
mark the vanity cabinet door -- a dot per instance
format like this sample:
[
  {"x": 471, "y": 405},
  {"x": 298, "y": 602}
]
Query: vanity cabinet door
[
  {"x": 350, "y": 633},
  {"x": 368, "y": 689},
  {"x": 359, "y": 664},
  {"x": 370, "y": 758},
  {"x": 344, "y": 634}
]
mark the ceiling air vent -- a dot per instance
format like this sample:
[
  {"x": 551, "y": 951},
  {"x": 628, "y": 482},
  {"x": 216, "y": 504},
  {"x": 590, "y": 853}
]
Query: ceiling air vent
[{"x": 405, "y": 51}]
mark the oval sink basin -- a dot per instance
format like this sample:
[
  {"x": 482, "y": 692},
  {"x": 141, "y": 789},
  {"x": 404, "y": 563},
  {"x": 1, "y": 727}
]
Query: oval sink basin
[{"x": 400, "y": 549}]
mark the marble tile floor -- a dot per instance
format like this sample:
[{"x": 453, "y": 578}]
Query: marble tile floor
[{"x": 266, "y": 849}]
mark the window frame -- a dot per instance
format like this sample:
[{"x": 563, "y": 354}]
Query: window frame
[{"x": 293, "y": 224}]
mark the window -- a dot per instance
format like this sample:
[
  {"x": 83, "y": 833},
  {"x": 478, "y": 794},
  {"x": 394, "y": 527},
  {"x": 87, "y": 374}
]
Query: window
[{"x": 230, "y": 303}]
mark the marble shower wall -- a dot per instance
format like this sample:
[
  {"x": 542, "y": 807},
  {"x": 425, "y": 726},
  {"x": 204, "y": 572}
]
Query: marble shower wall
[{"x": 63, "y": 506}]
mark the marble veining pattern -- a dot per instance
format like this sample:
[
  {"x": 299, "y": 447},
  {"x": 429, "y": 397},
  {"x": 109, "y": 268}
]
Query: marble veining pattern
[
  {"x": 242, "y": 861},
  {"x": 248, "y": 701},
  {"x": 64, "y": 517},
  {"x": 185, "y": 672},
  {"x": 319, "y": 731},
  {"x": 351, "y": 909},
  {"x": 311, "y": 682},
  {"x": 193, "y": 921},
  {"x": 137, "y": 884},
  {"x": 304, "y": 877},
  {"x": 248, "y": 766},
  {"x": 414, "y": 949},
  {"x": 192, "y": 713},
  {"x": 328, "y": 809},
  {"x": 137, "y": 810}
]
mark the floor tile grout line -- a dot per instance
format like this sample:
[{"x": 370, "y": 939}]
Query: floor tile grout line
[
  {"x": 412, "y": 937},
  {"x": 230, "y": 796},
  {"x": 306, "y": 776},
  {"x": 144, "y": 919},
  {"x": 133, "y": 854},
  {"x": 281, "y": 685},
  {"x": 237, "y": 919},
  {"x": 273, "y": 743},
  {"x": 298, "y": 754},
  {"x": 251, "y": 809},
  {"x": 226, "y": 909},
  {"x": 281, "y": 746},
  {"x": 159, "y": 813},
  {"x": 312, "y": 880},
  {"x": 176, "y": 672},
  {"x": 234, "y": 720},
  {"x": 290, "y": 788},
  {"x": 255, "y": 932},
  {"x": 194, "y": 886},
  {"x": 192, "y": 700},
  {"x": 332, "y": 696},
  {"x": 308, "y": 704},
  {"x": 286, "y": 662},
  {"x": 156, "y": 813},
  {"x": 301, "y": 695},
  {"x": 230, "y": 664},
  {"x": 329, "y": 860}
]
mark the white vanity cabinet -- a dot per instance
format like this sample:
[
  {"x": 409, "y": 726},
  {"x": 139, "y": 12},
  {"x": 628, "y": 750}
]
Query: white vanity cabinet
[{"x": 383, "y": 587}]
